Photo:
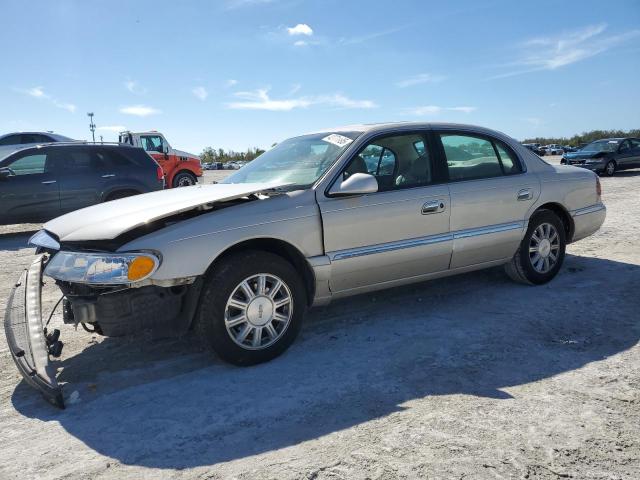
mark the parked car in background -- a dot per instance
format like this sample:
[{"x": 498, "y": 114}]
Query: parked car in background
[
  {"x": 554, "y": 149},
  {"x": 569, "y": 148},
  {"x": 606, "y": 156},
  {"x": 181, "y": 169},
  {"x": 15, "y": 141},
  {"x": 43, "y": 182},
  {"x": 535, "y": 148},
  {"x": 308, "y": 221}
]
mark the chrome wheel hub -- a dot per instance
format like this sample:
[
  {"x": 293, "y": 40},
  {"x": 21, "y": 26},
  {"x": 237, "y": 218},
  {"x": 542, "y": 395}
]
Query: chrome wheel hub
[
  {"x": 544, "y": 248},
  {"x": 258, "y": 311}
]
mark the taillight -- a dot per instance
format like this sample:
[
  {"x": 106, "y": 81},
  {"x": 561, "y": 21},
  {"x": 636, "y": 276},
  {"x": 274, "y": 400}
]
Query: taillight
[
  {"x": 160, "y": 173},
  {"x": 598, "y": 189}
]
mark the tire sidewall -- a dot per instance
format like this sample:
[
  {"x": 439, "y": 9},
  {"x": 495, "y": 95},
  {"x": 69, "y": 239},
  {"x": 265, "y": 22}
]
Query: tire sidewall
[
  {"x": 531, "y": 273},
  {"x": 220, "y": 285},
  {"x": 606, "y": 170},
  {"x": 176, "y": 179}
]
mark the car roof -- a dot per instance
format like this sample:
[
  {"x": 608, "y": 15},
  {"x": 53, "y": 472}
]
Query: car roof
[
  {"x": 374, "y": 127},
  {"x": 50, "y": 134}
]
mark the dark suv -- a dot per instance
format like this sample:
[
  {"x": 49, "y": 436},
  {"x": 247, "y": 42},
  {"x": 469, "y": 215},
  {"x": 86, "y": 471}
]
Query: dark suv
[{"x": 43, "y": 182}]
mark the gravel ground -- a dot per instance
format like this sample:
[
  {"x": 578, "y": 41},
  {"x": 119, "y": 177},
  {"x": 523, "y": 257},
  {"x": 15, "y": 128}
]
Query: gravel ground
[{"x": 466, "y": 377}]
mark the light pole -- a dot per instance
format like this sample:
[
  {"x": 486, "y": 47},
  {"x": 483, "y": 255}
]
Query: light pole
[{"x": 92, "y": 126}]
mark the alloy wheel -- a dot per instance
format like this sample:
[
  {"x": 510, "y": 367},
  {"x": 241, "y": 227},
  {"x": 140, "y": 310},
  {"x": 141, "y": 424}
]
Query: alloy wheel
[
  {"x": 258, "y": 311},
  {"x": 544, "y": 248}
]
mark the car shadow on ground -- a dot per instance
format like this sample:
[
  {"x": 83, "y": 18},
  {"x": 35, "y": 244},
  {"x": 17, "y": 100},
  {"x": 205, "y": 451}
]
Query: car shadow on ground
[{"x": 157, "y": 404}]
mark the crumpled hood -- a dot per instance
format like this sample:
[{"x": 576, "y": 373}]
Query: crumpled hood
[{"x": 106, "y": 221}]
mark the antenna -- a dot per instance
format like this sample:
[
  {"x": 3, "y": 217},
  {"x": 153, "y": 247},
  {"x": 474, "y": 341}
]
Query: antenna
[{"x": 92, "y": 126}]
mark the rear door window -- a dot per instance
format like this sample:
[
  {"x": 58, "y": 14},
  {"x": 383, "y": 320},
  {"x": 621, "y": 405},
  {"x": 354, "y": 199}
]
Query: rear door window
[{"x": 471, "y": 157}]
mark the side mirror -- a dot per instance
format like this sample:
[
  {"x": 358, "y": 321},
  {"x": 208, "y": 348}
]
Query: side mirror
[
  {"x": 356, "y": 184},
  {"x": 165, "y": 149},
  {"x": 4, "y": 173}
]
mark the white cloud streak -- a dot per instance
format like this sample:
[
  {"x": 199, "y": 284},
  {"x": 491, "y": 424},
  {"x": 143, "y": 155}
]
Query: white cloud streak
[
  {"x": 300, "y": 29},
  {"x": 134, "y": 87},
  {"x": 419, "y": 79},
  {"x": 434, "y": 110},
  {"x": 200, "y": 93},
  {"x": 231, "y": 83},
  {"x": 260, "y": 100},
  {"x": 554, "y": 52},
  {"x": 140, "y": 110},
  {"x": 39, "y": 93}
]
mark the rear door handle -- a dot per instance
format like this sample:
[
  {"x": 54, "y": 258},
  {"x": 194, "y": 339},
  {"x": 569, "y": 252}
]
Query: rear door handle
[
  {"x": 524, "y": 194},
  {"x": 109, "y": 175},
  {"x": 433, "y": 206},
  {"x": 48, "y": 182}
]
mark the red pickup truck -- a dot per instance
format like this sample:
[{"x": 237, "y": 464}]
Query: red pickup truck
[{"x": 181, "y": 169}]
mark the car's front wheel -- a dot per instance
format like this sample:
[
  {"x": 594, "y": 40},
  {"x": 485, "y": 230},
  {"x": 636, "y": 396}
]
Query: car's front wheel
[
  {"x": 184, "y": 179},
  {"x": 610, "y": 168},
  {"x": 541, "y": 251},
  {"x": 251, "y": 307}
]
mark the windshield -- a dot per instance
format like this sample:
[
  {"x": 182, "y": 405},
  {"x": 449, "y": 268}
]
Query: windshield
[
  {"x": 602, "y": 146},
  {"x": 299, "y": 161}
]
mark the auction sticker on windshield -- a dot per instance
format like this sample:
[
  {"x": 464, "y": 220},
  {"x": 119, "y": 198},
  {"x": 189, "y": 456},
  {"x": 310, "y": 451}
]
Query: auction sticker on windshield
[{"x": 338, "y": 140}]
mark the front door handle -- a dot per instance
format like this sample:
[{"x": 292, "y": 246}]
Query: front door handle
[
  {"x": 109, "y": 175},
  {"x": 525, "y": 194},
  {"x": 48, "y": 182},
  {"x": 433, "y": 206}
]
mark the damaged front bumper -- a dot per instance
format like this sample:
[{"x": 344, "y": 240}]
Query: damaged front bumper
[{"x": 26, "y": 336}]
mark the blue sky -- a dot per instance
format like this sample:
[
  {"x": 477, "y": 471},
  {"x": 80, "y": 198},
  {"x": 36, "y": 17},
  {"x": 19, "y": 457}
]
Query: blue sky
[{"x": 243, "y": 73}]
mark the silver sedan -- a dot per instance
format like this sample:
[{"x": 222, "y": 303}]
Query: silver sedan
[{"x": 320, "y": 216}]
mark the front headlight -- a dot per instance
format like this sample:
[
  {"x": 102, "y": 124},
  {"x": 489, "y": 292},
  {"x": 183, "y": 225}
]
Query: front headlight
[{"x": 102, "y": 268}]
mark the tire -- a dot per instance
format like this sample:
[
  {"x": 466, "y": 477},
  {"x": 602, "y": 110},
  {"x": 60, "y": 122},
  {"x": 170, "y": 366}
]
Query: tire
[
  {"x": 121, "y": 194},
  {"x": 610, "y": 168},
  {"x": 219, "y": 322},
  {"x": 530, "y": 267},
  {"x": 184, "y": 179}
]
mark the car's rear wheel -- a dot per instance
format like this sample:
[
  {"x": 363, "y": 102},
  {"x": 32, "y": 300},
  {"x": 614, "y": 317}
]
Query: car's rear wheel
[
  {"x": 610, "y": 168},
  {"x": 251, "y": 308},
  {"x": 541, "y": 251},
  {"x": 184, "y": 179}
]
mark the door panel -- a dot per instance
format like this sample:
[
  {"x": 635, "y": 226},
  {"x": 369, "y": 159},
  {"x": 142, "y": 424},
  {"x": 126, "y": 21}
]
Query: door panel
[
  {"x": 31, "y": 195},
  {"x": 385, "y": 236},
  {"x": 489, "y": 197}
]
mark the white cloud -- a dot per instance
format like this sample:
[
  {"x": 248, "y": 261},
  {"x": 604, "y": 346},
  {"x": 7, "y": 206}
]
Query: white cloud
[
  {"x": 420, "y": 78},
  {"x": 134, "y": 87},
  {"x": 300, "y": 43},
  {"x": 553, "y": 52},
  {"x": 69, "y": 107},
  {"x": 300, "y": 29},
  {"x": 231, "y": 83},
  {"x": 260, "y": 100},
  {"x": 462, "y": 109},
  {"x": 200, "y": 93},
  {"x": 434, "y": 110},
  {"x": 140, "y": 110},
  {"x": 112, "y": 128},
  {"x": 38, "y": 92}
]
